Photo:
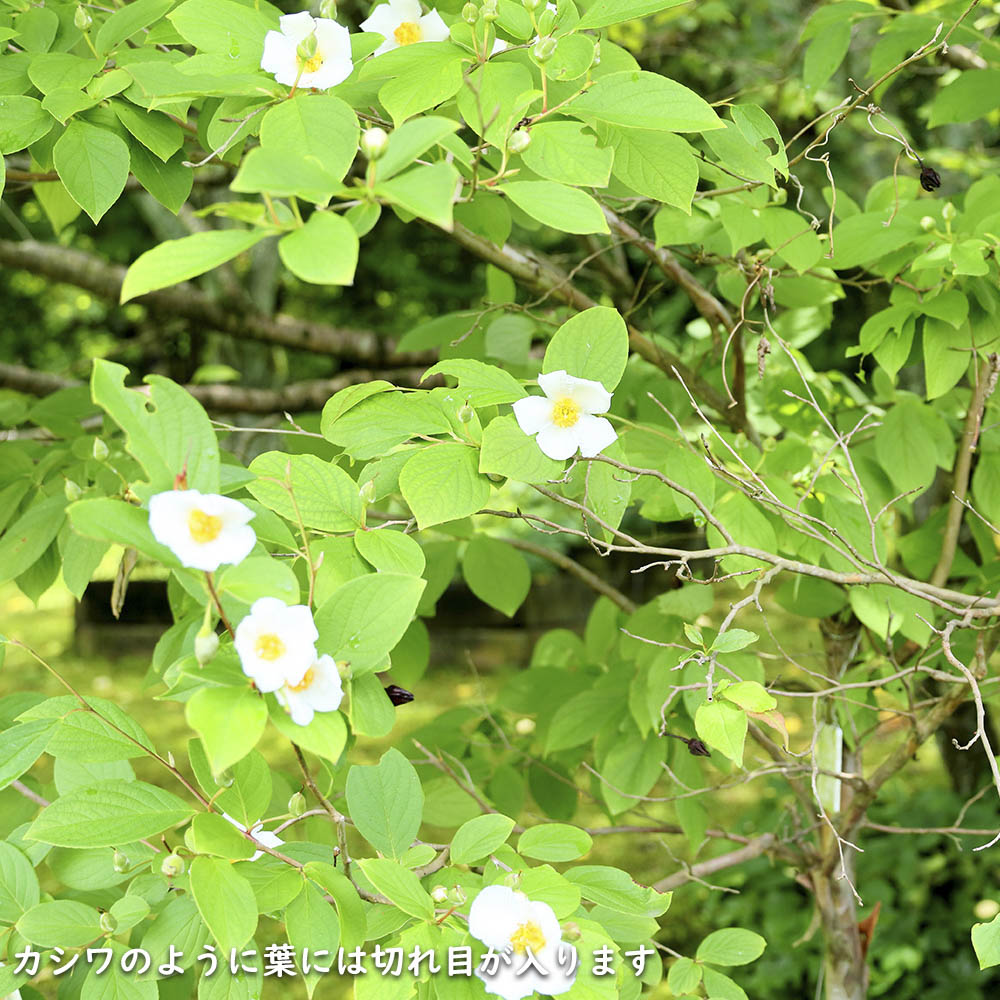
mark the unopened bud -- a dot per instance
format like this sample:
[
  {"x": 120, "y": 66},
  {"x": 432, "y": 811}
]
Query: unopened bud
[
  {"x": 779, "y": 197},
  {"x": 532, "y": 4},
  {"x": 512, "y": 880},
  {"x": 328, "y": 9},
  {"x": 930, "y": 179},
  {"x": 524, "y": 727},
  {"x": 82, "y": 18},
  {"x": 519, "y": 141},
  {"x": 206, "y": 645},
  {"x": 570, "y": 931},
  {"x": 470, "y": 13},
  {"x": 544, "y": 49},
  {"x": 172, "y": 865},
  {"x": 439, "y": 894},
  {"x": 368, "y": 493},
  {"x": 927, "y": 223},
  {"x": 72, "y": 490},
  {"x": 120, "y": 863},
  {"x": 373, "y": 142},
  {"x": 597, "y": 54},
  {"x": 490, "y": 12},
  {"x": 546, "y": 22},
  {"x": 344, "y": 669},
  {"x": 466, "y": 413},
  {"x": 297, "y": 804},
  {"x": 101, "y": 450},
  {"x": 107, "y": 923},
  {"x": 949, "y": 212},
  {"x": 307, "y": 47},
  {"x": 456, "y": 895}
]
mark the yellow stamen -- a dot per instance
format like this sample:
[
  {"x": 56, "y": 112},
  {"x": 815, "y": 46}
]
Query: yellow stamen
[
  {"x": 408, "y": 33},
  {"x": 204, "y": 527},
  {"x": 565, "y": 412},
  {"x": 305, "y": 683},
  {"x": 269, "y": 646},
  {"x": 313, "y": 64},
  {"x": 528, "y": 935}
]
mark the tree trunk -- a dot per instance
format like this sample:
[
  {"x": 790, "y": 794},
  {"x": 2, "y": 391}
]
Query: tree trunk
[{"x": 845, "y": 970}]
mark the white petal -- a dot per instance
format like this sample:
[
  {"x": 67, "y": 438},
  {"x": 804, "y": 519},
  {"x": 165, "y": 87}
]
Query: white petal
[
  {"x": 499, "y": 45},
  {"x": 266, "y": 606},
  {"x": 297, "y": 26},
  {"x": 300, "y": 710},
  {"x": 594, "y": 434},
  {"x": 589, "y": 395},
  {"x": 432, "y": 28},
  {"x": 300, "y": 620},
  {"x": 507, "y": 984},
  {"x": 335, "y": 69},
  {"x": 533, "y": 413},
  {"x": 231, "y": 511},
  {"x": 279, "y": 56},
  {"x": 333, "y": 40},
  {"x": 382, "y": 21},
  {"x": 493, "y": 915},
  {"x": 405, "y": 10},
  {"x": 558, "y": 442}
]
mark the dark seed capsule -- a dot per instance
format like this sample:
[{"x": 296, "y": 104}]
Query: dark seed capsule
[
  {"x": 930, "y": 179},
  {"x": 398, "y": 695},
  {"x": 698, "y": 749}
]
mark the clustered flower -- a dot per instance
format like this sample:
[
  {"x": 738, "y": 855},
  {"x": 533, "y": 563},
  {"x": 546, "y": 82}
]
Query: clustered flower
[{"x": 315, "y": 52}]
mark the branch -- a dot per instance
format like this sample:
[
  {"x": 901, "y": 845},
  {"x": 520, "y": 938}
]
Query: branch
[
  {"x": 84, "y": 270},
  {"x": 223, "y": 398},
  {"x": 752, "y": 850},
  {"x": 985, "y": 384}
]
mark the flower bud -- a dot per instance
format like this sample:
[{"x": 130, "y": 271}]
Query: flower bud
[
  {"x": 172, "y": 865},
  {"x": 546, "y": 22},
  {"x": 490, "y": 12},
  {"x": 519, "y": 141},
  {"x": 930, "y": 179},
  {"x": 107, "y": 923},
  {"x": 373, "y": 142},
  {"x": 597, "y": 54},
  {"x": 470, "y": 13},
  {"x": 949, "y": 212},
  {"x": 439, "y": 894},
  {"x": 524, "y": 727},
  {"x": 779, "y": 197},
  {"x": 456, "y": 895},
  {"x": 72, "y": 490},
  {"x": 297, "y": 804},
  {"x": 368, "y": 493},
  {"x": 101, "y": 450},
  {"x": 328, "y": 9},
  {"x": 344, "y": 669},
  {"x": 82, "y": 18},
  {"x": 571, "y": 931},
  {"x": 466, "y": 413},
  {"x": 532, "y": 4},
  {"x": 544, "y": 49},
  {"x": 307, "y": 47},
  {"x": 206, "y": 645},
  {"x": 927, "y": 223},
  {"x": 512, "y": 880},
  {"x": 120, "y": 863}
]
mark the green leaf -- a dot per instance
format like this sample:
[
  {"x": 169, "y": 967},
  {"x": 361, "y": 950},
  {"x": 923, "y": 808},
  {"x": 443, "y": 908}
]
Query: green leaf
[
  {"x": 494, "y": 98},
  {"x": 365, "y": 618},
  {"x": 23, "y": 121},
  {"x": 630, "y": 768},
  {"x": 554, "y": 842},
  {"x": 93, "y": 164},
  {"x": 721, "y": 987},
  {"x": 225, "y": 901},
  {"x": 153, "y": 129},
  {"x": 312, "y": 922},
  {"x": 390, "y": 551},
  {"x": 637, "y": 99},
  {"x": 684, "y": 976},
  {"x": 905, "y": 445},
  {"x": 947, "y": 352},
  {"x": 578, "y": 720},
  {"x": 177, "y": 260},
  {"x": 233, "y": 30},
  {"x": 480, "y": 837},
  {"x": 426, "y": 191},
  {"x": 326, "y": 497},
  {"x": 592, "y": 344},
  {"x": 324, "y": 251},
  {"x": 371, "y": 713},
  {"x": 605, "y": 12},
  {"x": 411, "y": 140},
  {"x": 723, "y": 728},
  {"x": 63, "y": 924},
  {"x": 731, "y": 946},
  {"x": 424, "y": 77},
  {"x": 175, "y": 437},
  {"x": 19, "y": 889},
  {"x": 481, "y": 384},
  {"x": 385, "y": 802},
  {"x": 230, "y": 721},
  {"x": 508, "y": 451},
  {"x": 350, "y": 909},
  {"x": 108, "y": 813},
  {"x": 400, "y": 885},
  {"x": 259, "y": 576},
  {"x": 614, "y": 888},
  {"x": 213, "y": 834},
  {"x": 116, "y": 521},
  {"x": 733, "y": 639},
  {"x": 325, "y": 736},
  {"x": 564, "y": 208},
  {"x": 21, "y": 746},
  {"x": 496, "y": 573},
  {"x": 750, "y": 696},
  {"x": 973, "y": 94},
  {"x": 442, "y": 483},
  {"x": 178, "y": 924},
  {"x": 658, "y": 165},
  {"x": 26, "y": 540},
  {"x": 129, "y": 20},
  {"x": 986, "y": 941},
  {"x": 825, "y": 53},
  {"x": 169, "y": 183},
  {"x": 564, "y": 152},
  {"x": 345, "y": 399},
  {"x": 792, "y": 238}
]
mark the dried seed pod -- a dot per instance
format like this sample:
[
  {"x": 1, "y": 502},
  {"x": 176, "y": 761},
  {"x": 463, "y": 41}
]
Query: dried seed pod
[{"x": 930, "y": 179}]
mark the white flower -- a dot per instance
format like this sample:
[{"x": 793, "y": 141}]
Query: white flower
[
  {"x": 262, "y": 836},
  {"x": 276, "y": 643},
  {"x": 320, "y": 690},
  {"x": 564, "y": 417},
  {"x": 202, "y": 530},
  {"x": 399, "y": 22},
  {"x": 326, "y": 66},
  {"x": 507, "y": 920}
]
